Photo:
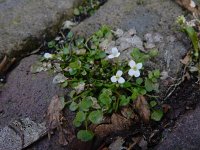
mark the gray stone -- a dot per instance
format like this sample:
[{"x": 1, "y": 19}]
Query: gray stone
[
  {"x": 154, "y": 16},
  {"x": 20, "y": 134},
  {"x": 26, "y": 94},
  {"x": 185, "y": 135},
  {"x": 9, "y": 139},
  {"x": 25, "y": 22}
]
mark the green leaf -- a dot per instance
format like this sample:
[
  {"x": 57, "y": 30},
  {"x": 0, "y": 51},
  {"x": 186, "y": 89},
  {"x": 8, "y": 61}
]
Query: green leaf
[
  {"x": 139, "y": 81},
  {"x": 124, "y": 100},
  {"x": 65, "y": 84},
  {"x": 105, "y": 97},
  {"x": 72, "y": 71},
  {"x": 73, "y": 106},
  {"x": 75, "y": 65},
  {"x": 149, "y": 85},
  {"x": 150, "y": 75},
  {"x": 70, "y": 35},
  {"x": 126, "y": 85},
  {"x": 79, "y": 42},
  {"x": 142, "y": 91},
  {"x": 85, "y": 135},
  {"x": 66, "y": 50},
  {"x": 194, "y": 38},
  {"x": 156, "y": 73},
  {"x": 77, "y": 123},
  {"x": 85, "y": 104},
  {"x": 51, "y": 44},
  {"x": 96, "y": 116},
  {"x": 100, "y": 55},
  {"x": 157, "y": 115},
  {"x": 76, "y": 12},
  {"x": 80, "y": 116},
  {"x": 135, "y": 94},
  {"x": 153, "y": 103}
]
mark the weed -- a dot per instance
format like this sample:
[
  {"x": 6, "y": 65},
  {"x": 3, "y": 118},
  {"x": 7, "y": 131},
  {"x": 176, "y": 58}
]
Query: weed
[{"x": 101, "y": 82}]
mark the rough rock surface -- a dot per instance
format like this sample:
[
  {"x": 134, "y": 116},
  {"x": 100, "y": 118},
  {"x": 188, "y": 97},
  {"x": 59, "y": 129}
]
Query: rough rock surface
[
  {"x": 25, "y": 22},
  {"x": 26, "y": 94},
  {"x": 185, "y": 135},
  {"x": 154, "y": 17},
  {"x": 20, "y": 134}
]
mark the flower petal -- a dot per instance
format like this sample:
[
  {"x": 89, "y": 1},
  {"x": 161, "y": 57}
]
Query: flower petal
[
  {"x": 114, "y": 51},
  {"x": 137, "y": 73},
  {"x": 131, "y": 72},
  {"x": 131, "y": 63},
  {"x": 121, "y": 80},
  {"x": 139, "y": 65},
  {"x": 113, "y": 79},
  {"x": 47, "y": 55},
  {"x": 119, "y": 73},
  {"x": 117, "y": 55},
  {"x": 110, "y": 56}
]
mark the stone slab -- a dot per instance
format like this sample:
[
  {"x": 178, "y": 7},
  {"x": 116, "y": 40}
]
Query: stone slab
[
  {"x": 185, "y": 135},
  {"x": 20, "y": 134},
  {"x": 26, "y": 94},
  {"x": 23, "y": 23}
]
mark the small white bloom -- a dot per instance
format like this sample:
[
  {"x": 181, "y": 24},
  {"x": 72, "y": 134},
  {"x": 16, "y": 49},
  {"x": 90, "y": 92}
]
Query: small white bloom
[
  {"x": 114, "y": 53},
  {"x": 135, "y": 69},
  {"x": 48, "y": 55},
  {"x": 117, "y": 77}
]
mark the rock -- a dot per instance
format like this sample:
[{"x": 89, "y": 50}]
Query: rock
[
  {"x": 132, "y": 31},
  {"x": 149, "y": 45},
  {"x": 9, "y": 139},
  {"x": 25, "y": 23},
  {"x": 26, "y": 94},
  {"x": 185, "y": 135},
  {"x": 153, "y": 17},
  {"x": 137, "y": 42},
  {"x": 20, "y": 134}
]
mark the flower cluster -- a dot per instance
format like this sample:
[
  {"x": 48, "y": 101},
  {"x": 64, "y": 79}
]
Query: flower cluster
[{"x": 133, "y": 71}]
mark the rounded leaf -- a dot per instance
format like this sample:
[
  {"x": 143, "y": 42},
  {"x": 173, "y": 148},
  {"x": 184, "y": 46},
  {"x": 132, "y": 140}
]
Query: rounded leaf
[
  {"x": 157, "y": 115},
  {"x": 85, "y": 135},
  {"x": 73, "y": 106},
  {"x": 96, "y": 117}
]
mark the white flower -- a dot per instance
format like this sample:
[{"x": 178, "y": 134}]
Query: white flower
[
  {"x": 117, "y": 77},
  {"x": 134, "y": 71},
  {"x": 114, "y": 53},
  {"x": 48, "y": 55}
]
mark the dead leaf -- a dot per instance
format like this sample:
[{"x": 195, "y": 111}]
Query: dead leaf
[
  {"x": 62, "y": 140},
  {"x": 54, "y": 112},
  {"x": 142, "y": 107},
  {"x": 118, "y": 123},
  {"x": 190, "y": 6},
  {"x": 186, "y": 59},
  {"x": 128, "y": 113},
  {"x": 55, "y": 118}
]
